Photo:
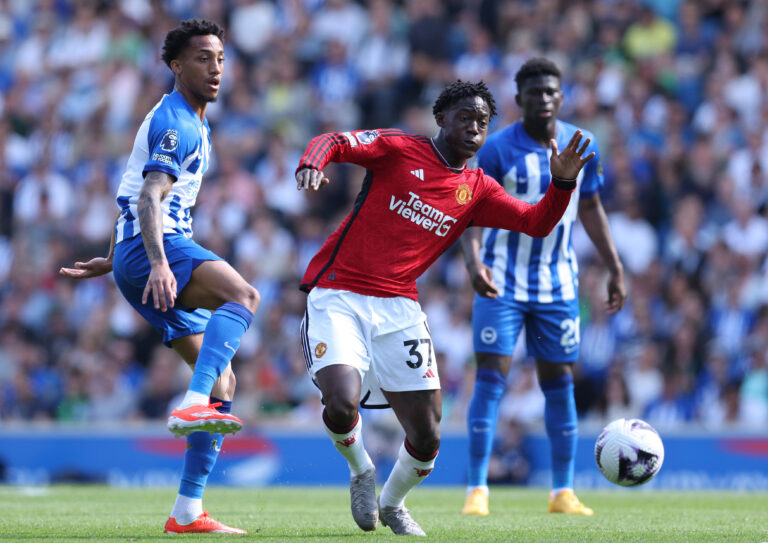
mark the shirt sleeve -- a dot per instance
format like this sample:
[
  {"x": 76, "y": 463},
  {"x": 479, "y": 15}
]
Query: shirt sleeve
[
  {"x": 361, "y": 147},
  {"x": 166, "y": 144},
  {"x": 498, "y": 209},
  {"x": 593, "y": 173}
]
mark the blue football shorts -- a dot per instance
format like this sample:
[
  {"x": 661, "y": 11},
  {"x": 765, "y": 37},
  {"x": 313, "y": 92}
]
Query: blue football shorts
[
  {"x": 551, "y": 329},
  {"x": 131, "y": 268}
]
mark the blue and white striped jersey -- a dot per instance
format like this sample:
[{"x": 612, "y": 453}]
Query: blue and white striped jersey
[
  {"x": 172, "y": 139},
  {"x": 524, "y": 268}
]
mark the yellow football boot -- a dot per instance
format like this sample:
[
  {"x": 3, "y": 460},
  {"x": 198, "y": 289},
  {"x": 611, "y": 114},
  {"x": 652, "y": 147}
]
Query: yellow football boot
[
  {"x": 476, "y": 503},
  {"x": 567, "y": 502}
]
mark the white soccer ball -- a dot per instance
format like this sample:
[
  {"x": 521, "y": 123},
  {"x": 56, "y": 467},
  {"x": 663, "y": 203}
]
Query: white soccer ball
[{"x": 629, "y": 452}]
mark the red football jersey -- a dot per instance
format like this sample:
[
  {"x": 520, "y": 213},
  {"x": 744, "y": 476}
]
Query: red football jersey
[{"x": 412, "y": 207}]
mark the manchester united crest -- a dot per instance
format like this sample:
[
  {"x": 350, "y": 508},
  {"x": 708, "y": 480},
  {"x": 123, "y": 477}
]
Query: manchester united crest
[
  {"x": 463, "y": 194},
  {"x": 320, "y": 350}
]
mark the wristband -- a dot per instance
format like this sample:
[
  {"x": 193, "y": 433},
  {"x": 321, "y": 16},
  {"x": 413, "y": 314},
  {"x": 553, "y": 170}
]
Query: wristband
[{"x": 564, "y": 184}]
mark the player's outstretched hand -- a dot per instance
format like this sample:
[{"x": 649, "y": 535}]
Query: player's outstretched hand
[
  {"x": 84, "y": 270},
  {"x": 310, "y": 178},
  {"x": 568, "y": 163},
  {"x": 482, "y": 281}
]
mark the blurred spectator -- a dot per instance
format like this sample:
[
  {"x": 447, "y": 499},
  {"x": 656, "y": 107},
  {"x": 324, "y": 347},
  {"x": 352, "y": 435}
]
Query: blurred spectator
[
  {"x": 43, "y": 196},
  {"x": 508, "y": 463},
  {"x": 635, "y": 239},
  {"x": 650, "y": 36},
  {"x": 674, "y": 407},
  {"x": 753, "y": 406},
  {"x": 614, "y": 403},
  {"x": 644, "y": 379},
  {"x": 252, "y": 23}
]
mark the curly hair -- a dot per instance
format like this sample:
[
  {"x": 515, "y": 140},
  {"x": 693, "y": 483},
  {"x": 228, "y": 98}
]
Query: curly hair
[
  {"x": 535, "y": 67},
  {"x": 177, "y": 39},
  {"x": 463, "y": 89}
]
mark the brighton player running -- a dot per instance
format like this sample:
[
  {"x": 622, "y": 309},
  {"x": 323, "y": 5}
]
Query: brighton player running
[
  {"x": 533, "y": 282},
  {"x": 365, "y": 338},
  {"x": 169, "y": 279}
]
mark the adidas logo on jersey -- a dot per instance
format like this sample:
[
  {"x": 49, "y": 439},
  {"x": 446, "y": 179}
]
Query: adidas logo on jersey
[
  {"x": 418, "y": 173},
  {"x": 429, "y": 374}
]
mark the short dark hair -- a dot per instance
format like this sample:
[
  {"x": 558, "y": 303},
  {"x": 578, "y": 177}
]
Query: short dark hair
[
  {"x": 177, "y": 39},
  {"x": 463, "y": 89},
  {"x": 535, "y": 67}
]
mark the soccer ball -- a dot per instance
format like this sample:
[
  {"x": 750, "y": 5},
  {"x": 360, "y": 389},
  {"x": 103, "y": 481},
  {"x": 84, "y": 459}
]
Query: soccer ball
[{"x": 629, "y": 452}]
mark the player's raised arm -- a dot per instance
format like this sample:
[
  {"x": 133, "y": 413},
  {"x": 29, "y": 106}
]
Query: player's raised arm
[
  {"x": 538, "y": 220},
  {"x": 161, "y": 282}
]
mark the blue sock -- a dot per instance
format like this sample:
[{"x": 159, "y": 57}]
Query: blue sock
[
  {"x": 562, "y": 428},
  {"x": 220, "y": 342},
  {"x": 483, "y": 412},
  {"x": 202, "y": 451}
]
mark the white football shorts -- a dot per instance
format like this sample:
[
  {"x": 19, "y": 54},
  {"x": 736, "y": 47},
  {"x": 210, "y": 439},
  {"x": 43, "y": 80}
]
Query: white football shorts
[{"x": 386, "y": 339}]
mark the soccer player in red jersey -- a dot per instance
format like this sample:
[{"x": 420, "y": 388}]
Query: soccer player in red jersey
[{"x": 365, "y": 338}]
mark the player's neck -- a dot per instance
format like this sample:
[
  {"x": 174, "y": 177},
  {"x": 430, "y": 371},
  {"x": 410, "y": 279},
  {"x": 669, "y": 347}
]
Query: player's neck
[
  {"x": 541, "y": 133},
  {"x": 448, "y": 157},
  {"x": 197, "y": 105}
]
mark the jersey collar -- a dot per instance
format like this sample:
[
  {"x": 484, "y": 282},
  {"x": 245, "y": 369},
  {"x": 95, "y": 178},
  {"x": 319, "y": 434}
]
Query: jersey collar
[
  {"x": 179, "y": 98},
  {"x": 441, "y": 158},
  {"x": 529, "y": 142}
]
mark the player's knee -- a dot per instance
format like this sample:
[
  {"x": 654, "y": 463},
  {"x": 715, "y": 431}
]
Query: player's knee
[
  {"x": 341, "y": 410},
  {"x": 427, "y": 443},
  {"x": 250, "y": 298}
]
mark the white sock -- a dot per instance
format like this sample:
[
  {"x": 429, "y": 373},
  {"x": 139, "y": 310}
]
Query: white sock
[
  {"x": 407, "y": 473},
  {"x": 351, "y": 447},
  {"x": 186, "y": 510},
  {"x": 556, "y": 491},
  {"x": 194, "y": 398},
  {"x": 471, "y": 489}
]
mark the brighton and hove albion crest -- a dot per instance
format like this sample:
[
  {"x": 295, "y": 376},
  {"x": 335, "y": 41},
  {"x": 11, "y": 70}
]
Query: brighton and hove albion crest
[
  {"x": 463, "y": 194},
  {"x": 320, "y": 349}
]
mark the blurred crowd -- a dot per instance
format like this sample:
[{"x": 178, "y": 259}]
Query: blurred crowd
[{"x": 676, "y": 92}]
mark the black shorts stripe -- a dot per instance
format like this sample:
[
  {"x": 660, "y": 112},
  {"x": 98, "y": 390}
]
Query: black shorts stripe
[{"x": 305, "y": 341}]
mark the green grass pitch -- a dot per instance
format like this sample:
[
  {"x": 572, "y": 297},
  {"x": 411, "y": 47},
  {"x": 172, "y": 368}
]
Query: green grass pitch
[{"x": 96, "y": 513}]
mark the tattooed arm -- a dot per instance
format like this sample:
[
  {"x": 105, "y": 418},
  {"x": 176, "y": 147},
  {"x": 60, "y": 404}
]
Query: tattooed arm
[{"x": 161, "y": 282}]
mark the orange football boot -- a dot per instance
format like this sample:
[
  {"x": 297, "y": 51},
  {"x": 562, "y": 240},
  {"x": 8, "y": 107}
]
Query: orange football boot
[
  {"x": 567, "y": 502},
  {"x": 202, "y": 418},
  {"x": 203, "y": 524}
]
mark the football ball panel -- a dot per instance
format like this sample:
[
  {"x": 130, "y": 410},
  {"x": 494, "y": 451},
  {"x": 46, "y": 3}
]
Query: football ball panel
[{"x": 629, "y": 452}]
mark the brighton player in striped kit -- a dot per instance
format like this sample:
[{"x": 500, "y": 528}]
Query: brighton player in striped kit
[
  {"x": 366, "y": 340},
  {"x": 520, "y": 281},
  {"x": 170, "y": 280}
]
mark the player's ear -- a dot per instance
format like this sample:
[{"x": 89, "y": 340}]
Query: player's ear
[
  {"x": 518, "y": 101},
  {"x": 176, "y": 67},
  {"x": 440, "y": 119}
]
